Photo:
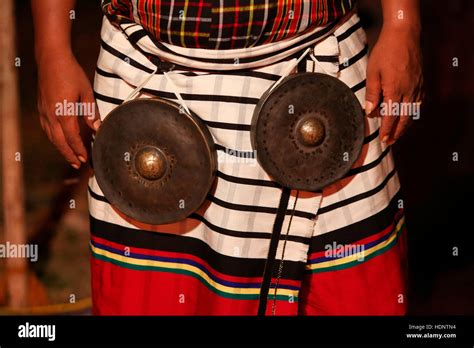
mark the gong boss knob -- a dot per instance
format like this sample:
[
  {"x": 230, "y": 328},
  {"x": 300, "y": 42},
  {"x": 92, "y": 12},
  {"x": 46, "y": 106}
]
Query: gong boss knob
[{"x": 150, "y": 163}]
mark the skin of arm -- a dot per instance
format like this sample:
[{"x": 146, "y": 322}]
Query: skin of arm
[
  {"x": 60, "y": 79},
  {"x": 394, "y": 71}
]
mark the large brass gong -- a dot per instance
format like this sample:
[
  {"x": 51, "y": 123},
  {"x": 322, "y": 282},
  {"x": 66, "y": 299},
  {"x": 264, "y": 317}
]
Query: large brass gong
[{"x": 152, "y": 162}]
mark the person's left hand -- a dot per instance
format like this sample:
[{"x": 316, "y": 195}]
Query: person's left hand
[{"x": 394, "y": 74}]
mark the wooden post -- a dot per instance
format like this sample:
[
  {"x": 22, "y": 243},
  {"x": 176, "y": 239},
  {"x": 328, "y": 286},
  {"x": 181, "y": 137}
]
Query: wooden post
[{"x": 12, "y": 168}]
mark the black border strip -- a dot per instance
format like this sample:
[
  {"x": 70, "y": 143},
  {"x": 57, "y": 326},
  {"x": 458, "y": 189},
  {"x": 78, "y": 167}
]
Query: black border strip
[
  {"x": 238, "y": 331},
  {"x": 268, "y": 270}
]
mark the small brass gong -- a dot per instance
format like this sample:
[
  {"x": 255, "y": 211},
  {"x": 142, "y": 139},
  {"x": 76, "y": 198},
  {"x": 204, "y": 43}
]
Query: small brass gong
[{"x": 308, "y": 131}]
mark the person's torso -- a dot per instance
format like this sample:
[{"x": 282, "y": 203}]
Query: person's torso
[{"x": 226, "y": 24}]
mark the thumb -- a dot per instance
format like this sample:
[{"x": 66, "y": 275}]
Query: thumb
[
  {"x": 92, "y": 118},
  {"x": 373, "y": 91}
]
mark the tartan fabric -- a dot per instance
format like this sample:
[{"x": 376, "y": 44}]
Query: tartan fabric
[{"x": 225, "y": 24}]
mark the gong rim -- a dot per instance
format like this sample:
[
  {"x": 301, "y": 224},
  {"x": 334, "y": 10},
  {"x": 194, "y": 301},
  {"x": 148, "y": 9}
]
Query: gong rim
[
  {"x": 259, "y": 130},
  {"x": 138, "y": 187}
]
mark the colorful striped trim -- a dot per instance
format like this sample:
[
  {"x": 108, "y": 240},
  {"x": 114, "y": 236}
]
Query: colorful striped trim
[
  {"x": 173, "y": 245},
  {"x": 370, "y": 249},
  {"x": 183, "y": 266}
]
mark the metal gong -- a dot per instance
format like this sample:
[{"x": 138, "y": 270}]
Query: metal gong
[
  {"x": 152, "y": 162},
  {"x": 308, "y": 131}
]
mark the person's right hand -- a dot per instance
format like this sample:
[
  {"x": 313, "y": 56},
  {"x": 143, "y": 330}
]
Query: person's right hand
[{"x": 62, "y": 81}]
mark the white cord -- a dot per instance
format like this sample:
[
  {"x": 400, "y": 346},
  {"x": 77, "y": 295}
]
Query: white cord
[
  {"x": 176, "y": 93},
  {"x": 141, "y": 85},
  {"x": 181, "y": 100},
  {"x": 168, "y": 78},
  {"x": 317, "y": 62},
  {"x": 290, "y": 68}
]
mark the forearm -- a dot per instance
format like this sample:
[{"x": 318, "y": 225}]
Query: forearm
[
  {"x": 52, "y": 23},
  {"x": 402, "y": 15}
]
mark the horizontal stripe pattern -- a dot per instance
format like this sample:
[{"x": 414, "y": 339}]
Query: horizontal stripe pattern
[{"x": 224, "y": 247}]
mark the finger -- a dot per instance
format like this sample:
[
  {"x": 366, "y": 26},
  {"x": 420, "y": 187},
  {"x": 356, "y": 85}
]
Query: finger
[
  {"x": 46, "y": 128},
  {"x": 411, "y": 111},
  {"x": 92, "y": 118},
  {"x": 389, "y": 117},
  {"x": 43, "y": 124},
  {"x": 72, "y": 134},
  {"x": 387, "y": 127},
  {"x": 375, "y": 113},
  {"x": 402, "y": 125},
  {"x": 56, "y": 136},
  {"x": 373, "y": 91}
]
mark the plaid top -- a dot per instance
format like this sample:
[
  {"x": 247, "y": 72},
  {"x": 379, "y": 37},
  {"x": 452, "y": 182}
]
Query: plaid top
[{"x": 225, "y": 24}]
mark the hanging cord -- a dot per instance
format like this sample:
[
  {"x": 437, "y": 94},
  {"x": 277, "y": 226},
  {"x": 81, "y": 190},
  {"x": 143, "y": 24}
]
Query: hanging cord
[
  {"x": 280, "y": 267},
  {"x": 141, "y": 85},
  {"x": 313, "y": 58},
  {"x": 295, "y": 64},
  {"x": 290, "y": 67},
  {"x": 174, "y": 88}
]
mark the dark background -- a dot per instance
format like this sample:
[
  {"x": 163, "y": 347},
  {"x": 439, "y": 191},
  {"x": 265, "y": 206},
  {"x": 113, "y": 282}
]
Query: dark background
[{"x": 437, "y": 190}]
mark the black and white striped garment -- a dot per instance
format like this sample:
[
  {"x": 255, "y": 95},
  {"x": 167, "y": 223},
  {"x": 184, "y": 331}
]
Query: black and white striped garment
[{"x": 247, "y": 207}]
